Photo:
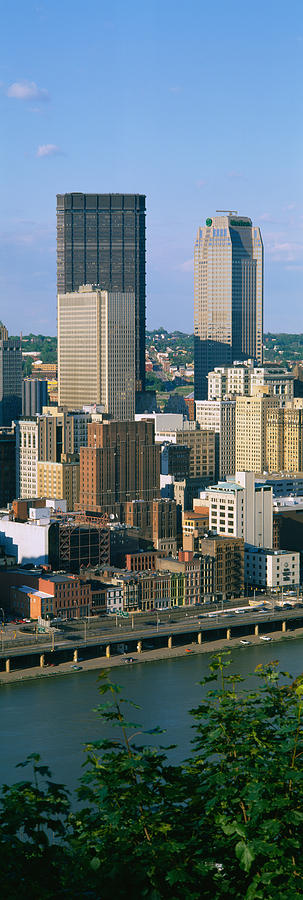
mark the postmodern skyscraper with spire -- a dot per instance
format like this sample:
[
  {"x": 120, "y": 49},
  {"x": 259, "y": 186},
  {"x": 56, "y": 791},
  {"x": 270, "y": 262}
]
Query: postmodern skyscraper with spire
[
  {"x": 101, "y": 241},
  {"x": 228, "y": 311}
]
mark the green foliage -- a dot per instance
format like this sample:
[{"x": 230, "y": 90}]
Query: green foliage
[{"x": 226, "y": 823}]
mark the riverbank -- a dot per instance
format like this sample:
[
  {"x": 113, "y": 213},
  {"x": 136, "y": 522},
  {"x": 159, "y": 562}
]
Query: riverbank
[{"x": 191, "y": 649}]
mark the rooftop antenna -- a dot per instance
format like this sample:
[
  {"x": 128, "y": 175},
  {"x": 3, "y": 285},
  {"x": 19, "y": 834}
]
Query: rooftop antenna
[{"x": 230, "y": 212}]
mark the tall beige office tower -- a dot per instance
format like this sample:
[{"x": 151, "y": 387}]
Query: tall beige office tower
[
  {"x": 220, "y": 416},
  {"x": 251, "y": 432},
  {"x": 285, "y": 438},
  {"x": 275, "y": 440},
  {"x": 96, "y": 350},
  {"x": 228, "y": 315}
]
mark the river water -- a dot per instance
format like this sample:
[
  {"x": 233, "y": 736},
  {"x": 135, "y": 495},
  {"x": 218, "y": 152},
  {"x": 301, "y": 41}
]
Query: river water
[{"x": 55, "y": 716}]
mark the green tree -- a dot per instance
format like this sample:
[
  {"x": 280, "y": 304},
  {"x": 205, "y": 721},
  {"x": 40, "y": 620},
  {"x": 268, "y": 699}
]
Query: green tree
[{"x": 225, "y": 823}]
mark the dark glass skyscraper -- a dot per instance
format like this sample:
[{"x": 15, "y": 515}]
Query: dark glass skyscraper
[
  {"x": 101, "y": 241},
  {"x": 10, "y": 377}
]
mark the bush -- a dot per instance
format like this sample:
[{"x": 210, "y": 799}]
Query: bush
[{"x": 225, "y": 823}]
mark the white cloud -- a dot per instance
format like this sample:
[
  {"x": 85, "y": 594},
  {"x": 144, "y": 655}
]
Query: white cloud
[
  {"x": 48, "y": 150},
  {"x": 282, "y": 250},
  {"x": 187, "y": 266},
  {"x": 266, "y": 217},
  {"x": 27, "y": 90}
]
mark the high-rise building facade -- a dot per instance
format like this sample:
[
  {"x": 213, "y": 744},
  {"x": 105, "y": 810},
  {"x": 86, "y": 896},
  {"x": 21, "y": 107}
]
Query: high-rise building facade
[
  {"x": 7, "y": 465},
  {"x": 27, "y": 455},
  {"x": 60, "y": 479},
  {"x": 228, "y": 315},
  {"x": 242, "y": 378},
  {"x": 120, "y": 463},
  {"x": 10, "y": 377},
  {"x": 284, "y": 429},
  {"x": 96, "y": 350},
  {"x": 101, "y": 241},
  {"x": 202, "y": 446},
  {"x": 220, "y": 416},
  {"x": 251, "y": 430},
  {"x": 243, "y": 507},
  {"x": 46, "y": 439}
]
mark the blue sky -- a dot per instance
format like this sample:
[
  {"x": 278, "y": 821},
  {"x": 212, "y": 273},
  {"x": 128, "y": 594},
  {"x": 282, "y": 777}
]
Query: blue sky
[{"x": 196, "y": 104}]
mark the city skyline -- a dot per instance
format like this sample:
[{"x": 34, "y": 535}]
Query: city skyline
[{"x": 222, "y": 130}]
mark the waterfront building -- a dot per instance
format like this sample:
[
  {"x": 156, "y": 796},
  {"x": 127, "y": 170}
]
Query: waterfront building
[
  {"x": 56, "y": 595},
  {"x": 10, "y": 378},
  {"x": 228, "y": 553},
  {"x": 228, "y": 295},
  {"x": 271, "y": 569},
  {"x": 101, "y": 241}
]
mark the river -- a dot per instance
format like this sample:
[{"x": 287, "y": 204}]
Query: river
[{"x": 55, "y": 716}]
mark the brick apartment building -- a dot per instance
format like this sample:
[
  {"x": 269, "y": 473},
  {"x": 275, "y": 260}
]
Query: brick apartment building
[
  {"x": 31, "y": 595},
  {"x": 120, "y": 463}
]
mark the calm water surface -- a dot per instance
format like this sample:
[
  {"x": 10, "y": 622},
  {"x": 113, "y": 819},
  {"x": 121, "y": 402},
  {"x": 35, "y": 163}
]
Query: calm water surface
[{"x": 55, "y": 716}]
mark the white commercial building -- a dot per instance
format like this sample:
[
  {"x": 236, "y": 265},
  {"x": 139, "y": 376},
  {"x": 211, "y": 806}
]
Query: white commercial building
[
  {"x": 271, "y": 568},
  {"x": 220, "y": 416},
  {"x": 27, "y": 541},
  {"x": 167, "y": 425},
  {"x": 114, "y": 597},
  {"x": 241, "y": 507},
  {"x": 241, "y": 378},
  {"x": 27, "y": 454}
]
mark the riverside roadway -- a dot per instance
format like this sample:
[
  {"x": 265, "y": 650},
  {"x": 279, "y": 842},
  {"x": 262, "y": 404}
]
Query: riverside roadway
[{"x": 141, "y": 627}]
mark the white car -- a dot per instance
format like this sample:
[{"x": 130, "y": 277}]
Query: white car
[{"x": 264, "y": 637}]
